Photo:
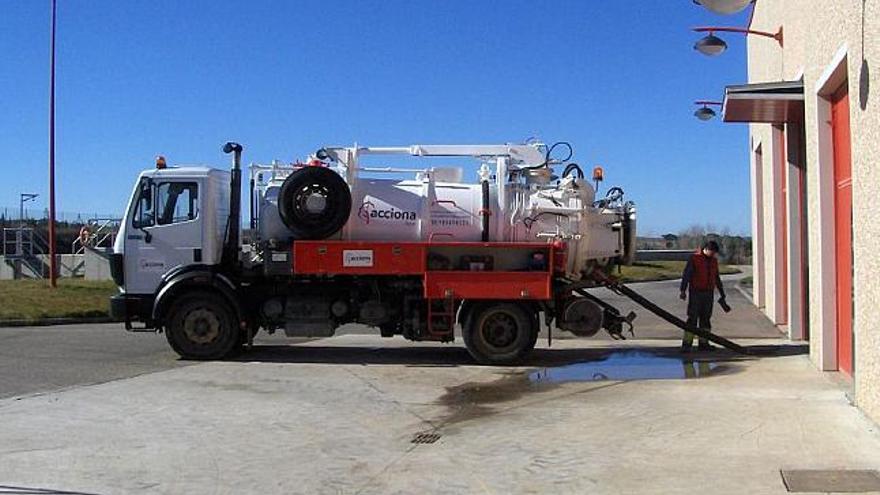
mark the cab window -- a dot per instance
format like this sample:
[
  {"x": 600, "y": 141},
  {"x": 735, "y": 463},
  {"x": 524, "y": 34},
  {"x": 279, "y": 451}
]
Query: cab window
[
  {"x": 143, "y": 210},
  {"x": 176, "y": 202}
]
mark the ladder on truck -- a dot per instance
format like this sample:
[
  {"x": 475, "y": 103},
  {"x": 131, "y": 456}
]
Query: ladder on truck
[{"x": 441, "y": 317}]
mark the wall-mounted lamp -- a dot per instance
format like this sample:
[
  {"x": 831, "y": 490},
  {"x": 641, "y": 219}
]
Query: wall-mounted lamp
[
  {"x": 712, "y": 45},
  {"x": 704, "y": 112},
  {"x": 724, "y": 6}
]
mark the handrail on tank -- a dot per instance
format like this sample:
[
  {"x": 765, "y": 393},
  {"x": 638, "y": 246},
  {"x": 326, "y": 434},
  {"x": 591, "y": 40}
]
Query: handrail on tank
[
  {"x": 526, "y": 154},
  {"x": 433, "y": 234}
]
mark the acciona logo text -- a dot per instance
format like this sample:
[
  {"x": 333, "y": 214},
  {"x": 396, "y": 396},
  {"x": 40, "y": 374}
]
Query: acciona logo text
[{"x": 368, "y": 211}]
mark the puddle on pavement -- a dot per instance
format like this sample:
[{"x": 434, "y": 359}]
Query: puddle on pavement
[
  {"x": 475, "y": 399},
  {"x": 626, "y": 365}
]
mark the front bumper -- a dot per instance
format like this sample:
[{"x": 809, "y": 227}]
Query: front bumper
[
  {"x": 117, "y": 269},
  {"x": 132, "y": 307}
]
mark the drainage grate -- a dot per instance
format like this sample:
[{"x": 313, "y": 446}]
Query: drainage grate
[
  {"x": 831, "y": 480},
  {"x": 425, "y": 437}
]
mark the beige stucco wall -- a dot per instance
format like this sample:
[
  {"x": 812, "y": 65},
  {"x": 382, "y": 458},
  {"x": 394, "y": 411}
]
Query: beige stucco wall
[{"x": 815, "y": 31}]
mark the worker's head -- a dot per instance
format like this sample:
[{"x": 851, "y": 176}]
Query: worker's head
[{"x": 710, "y": 248}]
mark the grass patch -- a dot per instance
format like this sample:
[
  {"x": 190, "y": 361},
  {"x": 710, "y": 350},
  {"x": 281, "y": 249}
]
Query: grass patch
[
  {"x": 644, "y": 271},
  {"x": 74, "y": 298}
]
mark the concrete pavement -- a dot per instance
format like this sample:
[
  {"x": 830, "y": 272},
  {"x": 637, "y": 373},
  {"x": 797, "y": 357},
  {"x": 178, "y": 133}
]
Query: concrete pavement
[
  {"x": 638, "y": 420},
  {"x": 95, "y": 410},
  {"x": 39, "y": 359}
]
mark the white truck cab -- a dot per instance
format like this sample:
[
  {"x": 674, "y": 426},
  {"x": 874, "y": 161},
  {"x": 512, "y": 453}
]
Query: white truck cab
[{"x": 176, "y": 217}]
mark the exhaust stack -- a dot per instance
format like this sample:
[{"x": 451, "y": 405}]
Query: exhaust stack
[{"x": 233, "y": 225}]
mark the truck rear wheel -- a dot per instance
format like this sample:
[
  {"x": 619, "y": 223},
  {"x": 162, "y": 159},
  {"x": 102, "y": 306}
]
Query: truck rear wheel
[
  {"x": 500, "y": 333},
  {"x": 201, "y": 326}
]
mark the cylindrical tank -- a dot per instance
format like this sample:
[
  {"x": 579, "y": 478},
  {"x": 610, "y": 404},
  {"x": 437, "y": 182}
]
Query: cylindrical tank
[
  {"x": 409, "y": 210},
  {"x": 529, "y": 207},
  {"x": 399, "y": 210}
]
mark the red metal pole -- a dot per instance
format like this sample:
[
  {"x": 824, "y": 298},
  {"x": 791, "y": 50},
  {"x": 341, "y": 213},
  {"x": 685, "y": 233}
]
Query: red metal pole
[
  {"x": 53, "y": 282},
  {"x": 724, "y": 29}
]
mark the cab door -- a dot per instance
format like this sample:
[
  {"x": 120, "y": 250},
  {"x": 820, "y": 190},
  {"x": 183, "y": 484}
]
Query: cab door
[{"x": 165, "y": 232}]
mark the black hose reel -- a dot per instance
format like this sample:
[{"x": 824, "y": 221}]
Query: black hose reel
[{"x": 314, "y": 202}]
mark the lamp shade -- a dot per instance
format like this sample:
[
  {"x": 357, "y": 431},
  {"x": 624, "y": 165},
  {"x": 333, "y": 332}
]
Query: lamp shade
[
  {"x": 704, "y": 113},
  {"x": 710, "y": 45},
  {"x": 724, "y": 6}
]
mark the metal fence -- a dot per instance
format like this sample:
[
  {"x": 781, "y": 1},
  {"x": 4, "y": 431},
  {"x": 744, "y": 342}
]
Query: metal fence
[{"x": 15, "y": 214}]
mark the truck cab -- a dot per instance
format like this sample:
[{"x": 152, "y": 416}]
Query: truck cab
[{"x": 175, "y": 220}]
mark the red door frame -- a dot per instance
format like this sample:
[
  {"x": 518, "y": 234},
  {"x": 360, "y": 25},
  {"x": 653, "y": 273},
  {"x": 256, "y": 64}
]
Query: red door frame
[
  {"x": 840, "y": 132},
  {"x": 782, "y": 173},
  {"x": 759, "y": 254},
  {"x": 798, "y": 149}
]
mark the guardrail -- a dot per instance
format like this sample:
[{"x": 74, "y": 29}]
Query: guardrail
[{"x": 97, "y": 233}]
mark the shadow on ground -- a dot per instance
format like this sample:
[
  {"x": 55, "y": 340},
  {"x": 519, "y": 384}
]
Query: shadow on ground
[
  {"x": 24, "y": 490},
  {"x": 457, "y": 356}
]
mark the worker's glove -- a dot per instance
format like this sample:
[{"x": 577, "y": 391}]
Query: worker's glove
[
  {"x": 683, "y": 295},
  {"x": 723, "y": 303}
]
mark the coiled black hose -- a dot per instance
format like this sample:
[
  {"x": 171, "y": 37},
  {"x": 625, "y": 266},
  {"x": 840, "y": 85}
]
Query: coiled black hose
[
  {"x": 548, "y": 153},
  {"x": 573, "y": 166}
]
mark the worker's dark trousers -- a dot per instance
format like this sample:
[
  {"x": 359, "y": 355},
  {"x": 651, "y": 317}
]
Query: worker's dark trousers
[{"x": 699, "y": 313}]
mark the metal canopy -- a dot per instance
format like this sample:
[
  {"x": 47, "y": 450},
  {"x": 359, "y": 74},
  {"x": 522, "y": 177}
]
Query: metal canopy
[{"x": 772, "y": 103}]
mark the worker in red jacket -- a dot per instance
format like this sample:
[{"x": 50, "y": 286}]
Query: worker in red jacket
[{"x": 698, "y": 284}]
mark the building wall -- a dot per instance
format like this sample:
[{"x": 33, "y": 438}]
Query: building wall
[{"x": 816, "y": 34}]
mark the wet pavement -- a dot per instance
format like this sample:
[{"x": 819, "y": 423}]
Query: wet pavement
[
  {"x": 473, "y": 400},
  {"x": 628, "y": 365}
]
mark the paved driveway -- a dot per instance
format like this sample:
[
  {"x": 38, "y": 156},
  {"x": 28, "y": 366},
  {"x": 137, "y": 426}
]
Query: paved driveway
[
  {"x": 39, "y": 359},
  {"x": 95, "y": 410}
]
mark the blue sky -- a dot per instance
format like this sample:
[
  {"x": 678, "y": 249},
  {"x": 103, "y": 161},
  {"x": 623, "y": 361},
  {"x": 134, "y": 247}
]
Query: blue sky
[{"x": 179, "y": 78}]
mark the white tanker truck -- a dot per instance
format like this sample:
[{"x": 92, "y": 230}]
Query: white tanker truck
[{"x": 411, "y": 251}]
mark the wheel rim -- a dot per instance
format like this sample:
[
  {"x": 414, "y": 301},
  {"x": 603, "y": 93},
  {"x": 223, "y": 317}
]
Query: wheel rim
[
  {"x": 201, "y": 326},
  {"x": 499, "y": 330},
  {"x": 312, "y": 204},
  {"x": 316, "y": 203}
]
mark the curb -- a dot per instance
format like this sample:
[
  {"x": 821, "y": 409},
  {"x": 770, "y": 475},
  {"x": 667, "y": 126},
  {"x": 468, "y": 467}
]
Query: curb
[
  {"x": 745, "y": 292},
  {"x": 56, "y": 321}
]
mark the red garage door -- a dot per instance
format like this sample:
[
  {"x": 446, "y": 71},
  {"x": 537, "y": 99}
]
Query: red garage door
[{"x": 843, "y": 227}]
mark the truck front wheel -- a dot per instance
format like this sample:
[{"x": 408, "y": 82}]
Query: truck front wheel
[
  {"x": 201, "y": 326},
  {"x": 500, "y": 333}
]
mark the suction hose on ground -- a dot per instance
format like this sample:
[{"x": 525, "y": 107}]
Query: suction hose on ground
[{"x": 662, "y": 313}]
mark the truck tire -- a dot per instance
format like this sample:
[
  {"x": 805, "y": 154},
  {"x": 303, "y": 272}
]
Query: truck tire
[
  {"x": 200, "y": 325},
  {"x": 314, "y": 202},
  {"x": 500, "y": 333}
]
